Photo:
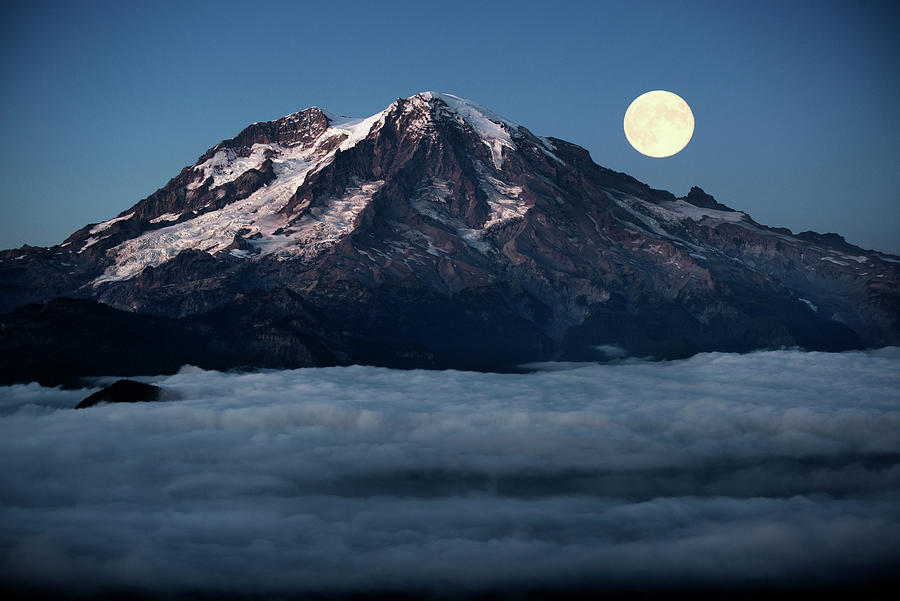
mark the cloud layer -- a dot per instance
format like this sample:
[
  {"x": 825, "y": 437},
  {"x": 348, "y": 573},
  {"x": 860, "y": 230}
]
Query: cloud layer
[{"x": 776, "y": 468}]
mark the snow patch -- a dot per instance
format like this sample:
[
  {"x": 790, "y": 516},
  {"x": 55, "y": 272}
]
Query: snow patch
[
  {"x": 835, "y": 261},
  {"x": 809, "y": 304},
  {"x": 321, "y": 227},
  {"x": 104, "y": 225},
  {"x": 686, "y": 210},
  {"x": 548, "y": 148},
  {"x": 355, "y": 129},
  {"x": 504, "y": 201},
  {"x": 636, "y": 207},
  {"x": 88, "y": 243},
  {"x": 431, "y": 201},
  {"x": 226, "y": 166},
  {"x": 166, "y": 217}
]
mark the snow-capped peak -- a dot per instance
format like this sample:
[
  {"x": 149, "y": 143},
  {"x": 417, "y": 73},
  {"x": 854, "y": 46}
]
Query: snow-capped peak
[
  {"x": 260, "y": 220},
  {"x": 492, "y": 128},
  {"x": 468, "y": 109}
]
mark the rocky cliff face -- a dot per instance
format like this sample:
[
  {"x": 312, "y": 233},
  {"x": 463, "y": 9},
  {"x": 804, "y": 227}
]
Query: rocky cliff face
[{"x": 437, "y": 234}]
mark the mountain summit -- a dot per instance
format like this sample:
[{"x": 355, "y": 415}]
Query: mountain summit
[{"x": 434, "y": 233}]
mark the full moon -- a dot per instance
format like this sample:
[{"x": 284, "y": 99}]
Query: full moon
[{"x": 659, "y": 124}]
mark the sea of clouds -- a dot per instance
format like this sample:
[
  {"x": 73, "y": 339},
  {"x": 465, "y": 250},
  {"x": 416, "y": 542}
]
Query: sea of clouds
[{"x": 772, "y": 468}]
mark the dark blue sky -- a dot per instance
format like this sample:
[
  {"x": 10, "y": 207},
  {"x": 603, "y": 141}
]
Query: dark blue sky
[{"x": 797, "y": 104}]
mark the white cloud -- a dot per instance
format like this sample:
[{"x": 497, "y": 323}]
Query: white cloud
[{"x": 719, "y": 469}]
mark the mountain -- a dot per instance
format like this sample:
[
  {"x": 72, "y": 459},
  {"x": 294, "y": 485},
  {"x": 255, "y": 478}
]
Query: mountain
[{"x": 432, "y": 234}]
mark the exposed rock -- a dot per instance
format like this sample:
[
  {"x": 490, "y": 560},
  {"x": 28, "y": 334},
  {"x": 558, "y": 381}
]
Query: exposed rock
[
  {"x": 699, "y": 198},
  {"x": 123, "y": 391}
]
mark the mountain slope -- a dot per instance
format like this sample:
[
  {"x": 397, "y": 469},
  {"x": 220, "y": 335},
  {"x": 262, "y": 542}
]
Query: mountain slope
[{"x": 439, "y": 231}]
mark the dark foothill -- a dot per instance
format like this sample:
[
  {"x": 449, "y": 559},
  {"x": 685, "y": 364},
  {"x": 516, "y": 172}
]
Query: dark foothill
[{"x": 123, "y": 391}]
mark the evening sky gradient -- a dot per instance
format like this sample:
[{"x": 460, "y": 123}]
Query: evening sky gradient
[{"x": 796, "y": 103}]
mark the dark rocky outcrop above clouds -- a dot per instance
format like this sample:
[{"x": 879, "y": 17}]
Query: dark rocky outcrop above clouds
[{"x": 123, "y": 391}]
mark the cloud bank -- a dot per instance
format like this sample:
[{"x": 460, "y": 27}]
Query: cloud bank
[{"x": 770, "y": 469}]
